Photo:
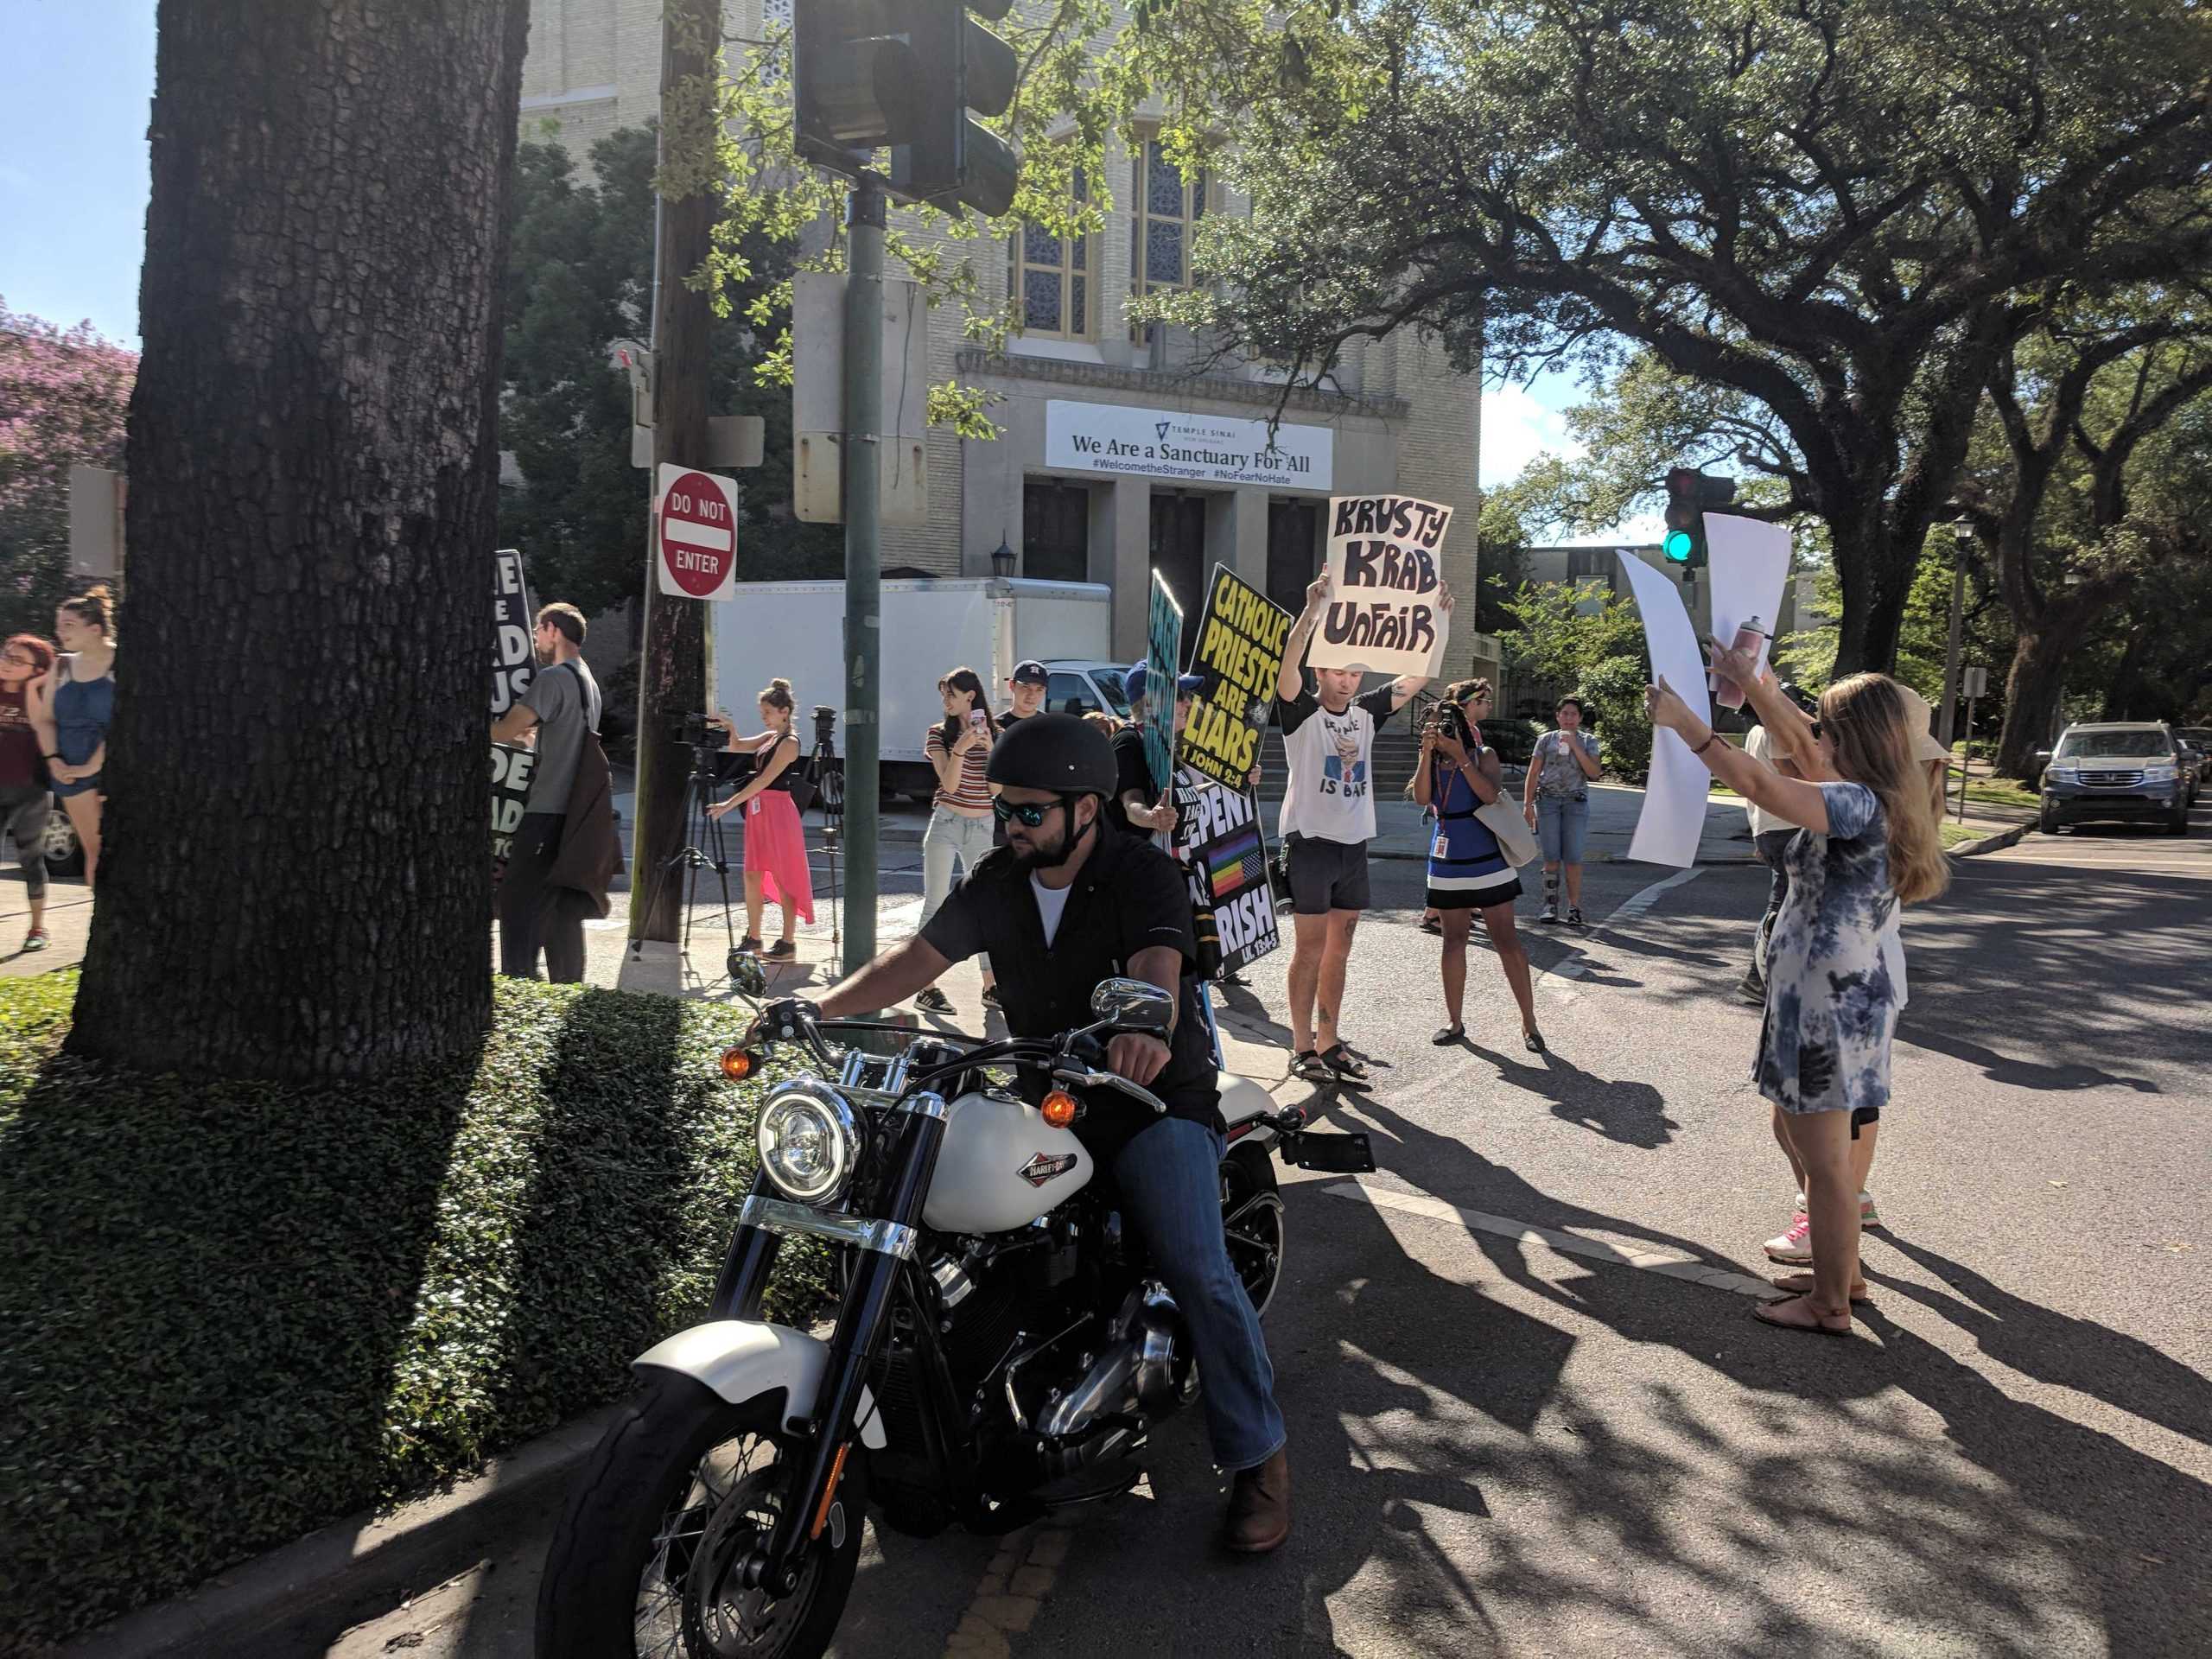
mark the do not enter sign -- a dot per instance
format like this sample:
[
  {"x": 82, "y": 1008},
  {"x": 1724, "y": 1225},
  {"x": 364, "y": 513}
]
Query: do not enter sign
[{"x": 696, "y": 516}]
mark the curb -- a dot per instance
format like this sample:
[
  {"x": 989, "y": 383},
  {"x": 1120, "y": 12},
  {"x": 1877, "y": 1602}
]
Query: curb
[
  {"x": 1995, "y": 843},
  {"x": 355, "y": 1568}
]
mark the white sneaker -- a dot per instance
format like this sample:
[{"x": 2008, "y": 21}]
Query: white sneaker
[{"x": 1868, "y": 1216}]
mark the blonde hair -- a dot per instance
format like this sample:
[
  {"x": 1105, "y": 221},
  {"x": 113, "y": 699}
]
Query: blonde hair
[
  {"x": 778, "y": 696},
  {"x": 1866, "y": 717}
]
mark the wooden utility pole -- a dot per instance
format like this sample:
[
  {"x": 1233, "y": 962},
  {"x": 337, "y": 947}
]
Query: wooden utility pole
[{"x": 672, "y": 676}]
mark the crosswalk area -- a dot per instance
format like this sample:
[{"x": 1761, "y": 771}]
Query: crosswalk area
[{"x": 2139, "y": 849}]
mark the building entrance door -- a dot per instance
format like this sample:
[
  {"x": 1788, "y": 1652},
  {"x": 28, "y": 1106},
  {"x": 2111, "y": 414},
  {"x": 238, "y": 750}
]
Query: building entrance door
[
  {"x": 1178, "y": 551},
  {"x": 1294, "y": 551}
]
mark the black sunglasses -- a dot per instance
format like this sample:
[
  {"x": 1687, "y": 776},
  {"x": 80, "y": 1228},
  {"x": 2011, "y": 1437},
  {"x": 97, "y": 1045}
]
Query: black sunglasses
[{"x": 1031, "y": 816}]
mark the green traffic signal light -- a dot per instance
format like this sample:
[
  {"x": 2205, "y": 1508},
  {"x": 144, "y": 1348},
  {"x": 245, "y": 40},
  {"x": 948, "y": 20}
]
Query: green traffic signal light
[{"x": 1678, "y": 546}]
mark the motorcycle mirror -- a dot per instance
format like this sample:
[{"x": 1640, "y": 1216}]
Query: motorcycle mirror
[
  {"x": 1134, "y": 1005},
  {"x": 747, "y": 972}
]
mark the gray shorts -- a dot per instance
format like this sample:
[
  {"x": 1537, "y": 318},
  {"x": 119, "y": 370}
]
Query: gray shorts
[{"x": 1326, "y": 875}]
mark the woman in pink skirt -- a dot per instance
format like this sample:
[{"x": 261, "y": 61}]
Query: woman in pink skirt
[{"x": 775, "y": 840}]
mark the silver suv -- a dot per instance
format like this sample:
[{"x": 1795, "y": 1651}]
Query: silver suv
[{"x": 2122, "y": 770}]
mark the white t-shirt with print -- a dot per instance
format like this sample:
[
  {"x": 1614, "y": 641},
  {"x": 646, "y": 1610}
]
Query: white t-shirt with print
[{"x": 1331, "y": 791}]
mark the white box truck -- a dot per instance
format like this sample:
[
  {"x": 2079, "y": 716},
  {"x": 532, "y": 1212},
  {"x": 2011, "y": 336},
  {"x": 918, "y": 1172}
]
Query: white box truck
[{"x": 795, "y": 631}]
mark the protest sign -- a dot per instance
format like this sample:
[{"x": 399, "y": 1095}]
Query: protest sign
[
  {"x": 1385, "y": 585},
  {"x": 1239, "y": 653},
  {"x": 512, "y": 659},
  {"x": 1164, "y": 639},
  {"x": 1219, "y": 836},
  {"x": 510, "y": 771},
  {"x": 1673, "y": 816},
  {"x": 1749, "y": 562}
]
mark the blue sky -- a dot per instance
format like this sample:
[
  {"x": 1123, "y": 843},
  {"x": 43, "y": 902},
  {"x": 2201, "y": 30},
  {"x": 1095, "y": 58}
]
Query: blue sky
[{"x": 75, "y": 83}]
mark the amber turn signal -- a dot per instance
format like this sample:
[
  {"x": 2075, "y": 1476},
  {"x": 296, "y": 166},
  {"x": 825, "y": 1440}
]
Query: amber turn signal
[
  {"x": 1060, "y": 1109},
  {"x": 737, "y": 1065}
]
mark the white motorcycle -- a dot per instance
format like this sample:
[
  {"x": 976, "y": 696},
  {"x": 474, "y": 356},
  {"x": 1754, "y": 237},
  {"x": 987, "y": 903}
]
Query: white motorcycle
[{"x": 1002, "y": 1347}]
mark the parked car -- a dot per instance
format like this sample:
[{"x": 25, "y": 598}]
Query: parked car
[{"x": 2122, "y": 770}]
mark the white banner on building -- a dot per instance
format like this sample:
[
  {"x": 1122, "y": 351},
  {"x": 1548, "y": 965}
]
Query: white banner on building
[{"x": 1199, "y": 448}]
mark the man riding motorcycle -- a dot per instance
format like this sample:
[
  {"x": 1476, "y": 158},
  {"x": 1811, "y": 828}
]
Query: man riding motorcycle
[{"x": 1065, "y": 905}]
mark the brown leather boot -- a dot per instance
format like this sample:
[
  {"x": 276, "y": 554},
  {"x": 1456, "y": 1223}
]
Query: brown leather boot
[{"x": 1259, "y": 1507}]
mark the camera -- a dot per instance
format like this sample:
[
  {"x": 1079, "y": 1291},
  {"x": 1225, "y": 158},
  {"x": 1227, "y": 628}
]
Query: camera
[
  {"x": 696, "y": 732},
  {"x": 825, "y": 724}
]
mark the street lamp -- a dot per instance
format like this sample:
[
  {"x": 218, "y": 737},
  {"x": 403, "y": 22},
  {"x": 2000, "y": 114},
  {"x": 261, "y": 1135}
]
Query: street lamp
[
  {"x": 1003, "y": 560},
  {"x": 1962, "y": 541}
]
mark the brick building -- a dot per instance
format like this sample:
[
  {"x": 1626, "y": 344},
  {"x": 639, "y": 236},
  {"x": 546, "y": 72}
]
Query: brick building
[{"x": 1077, "y": 383}]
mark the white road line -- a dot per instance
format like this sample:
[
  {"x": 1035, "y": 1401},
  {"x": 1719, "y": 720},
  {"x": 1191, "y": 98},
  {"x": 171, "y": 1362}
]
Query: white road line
[
  {"x": 1576, "y": 962},
  {"x": 1665, "y": 1263}
]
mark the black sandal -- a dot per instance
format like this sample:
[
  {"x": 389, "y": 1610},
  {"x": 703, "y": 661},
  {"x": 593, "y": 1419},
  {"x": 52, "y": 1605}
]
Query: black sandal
[
  {"x": 1309, "y": 1067},
  {"x": 1449, "y": 1035},
  {"x": 1533, "y": 1041},
  {"x": 1343, "y": 1065},
  {"x": 781, "y": 948}
]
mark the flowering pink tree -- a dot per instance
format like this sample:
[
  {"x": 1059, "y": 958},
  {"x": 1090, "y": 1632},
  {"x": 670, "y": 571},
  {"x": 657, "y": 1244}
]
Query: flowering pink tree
[{"x": 63, "y": 395}]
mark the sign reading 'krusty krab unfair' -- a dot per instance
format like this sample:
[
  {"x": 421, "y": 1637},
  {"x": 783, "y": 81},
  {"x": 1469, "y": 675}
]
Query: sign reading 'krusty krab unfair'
[{"x": 1386, "y": 585}]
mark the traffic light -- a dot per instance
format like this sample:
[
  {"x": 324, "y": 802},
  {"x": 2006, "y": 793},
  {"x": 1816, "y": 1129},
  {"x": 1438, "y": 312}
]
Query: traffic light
[
  {"x": 953, "y": 158},
  {"x": 1690, "y": 495},
  {"x": 904, "y": 75}
]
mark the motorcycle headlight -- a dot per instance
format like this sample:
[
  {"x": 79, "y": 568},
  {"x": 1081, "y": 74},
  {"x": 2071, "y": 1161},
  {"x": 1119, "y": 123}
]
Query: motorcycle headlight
[{"x": 809, "y": 1142}]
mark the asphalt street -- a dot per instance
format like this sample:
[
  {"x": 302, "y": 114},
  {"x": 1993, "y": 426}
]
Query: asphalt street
[{"x": 1530, "y": 1412}]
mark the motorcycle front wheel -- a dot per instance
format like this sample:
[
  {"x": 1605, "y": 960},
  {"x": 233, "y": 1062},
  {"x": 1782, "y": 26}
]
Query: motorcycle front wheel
[{"x": 679, "y": 1489}]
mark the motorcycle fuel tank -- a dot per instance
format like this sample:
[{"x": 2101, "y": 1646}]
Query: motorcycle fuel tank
[{"x": 1000, "y": 1167}]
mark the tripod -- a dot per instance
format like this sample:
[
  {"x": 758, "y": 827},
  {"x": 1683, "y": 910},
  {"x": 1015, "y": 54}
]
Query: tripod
[
  {"x": 698, "y": 826},
  {"x": 829, "y": 783}
]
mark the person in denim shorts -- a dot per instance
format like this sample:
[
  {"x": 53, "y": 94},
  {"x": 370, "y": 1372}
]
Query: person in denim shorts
[{"x": 1560, "y": 770}]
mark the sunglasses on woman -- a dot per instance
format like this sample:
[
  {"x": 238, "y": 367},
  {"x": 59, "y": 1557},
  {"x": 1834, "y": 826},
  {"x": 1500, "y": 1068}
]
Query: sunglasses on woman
[{"x": 1031, "y": 816}]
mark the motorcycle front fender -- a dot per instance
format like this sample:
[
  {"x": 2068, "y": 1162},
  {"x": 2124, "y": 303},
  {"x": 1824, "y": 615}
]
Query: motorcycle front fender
[{"x": 740, "y": 1359}]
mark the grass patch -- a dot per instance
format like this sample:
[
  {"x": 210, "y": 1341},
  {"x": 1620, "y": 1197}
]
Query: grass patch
[
  {"x": 234, "y": 1312},
  {"x": 2002, "y": 792}
]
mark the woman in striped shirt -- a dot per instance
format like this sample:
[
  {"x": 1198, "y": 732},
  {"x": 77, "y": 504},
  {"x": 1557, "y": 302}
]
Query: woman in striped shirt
[
  {"x": 959, "y": 748},
  {"x": 1467, "y": 869}
]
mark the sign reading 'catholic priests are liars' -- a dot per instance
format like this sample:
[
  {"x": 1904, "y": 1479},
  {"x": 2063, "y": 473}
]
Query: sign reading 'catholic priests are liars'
[{"x": 1174, "y": 444}]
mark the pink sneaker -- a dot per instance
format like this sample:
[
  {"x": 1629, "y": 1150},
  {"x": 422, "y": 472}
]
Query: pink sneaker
[{"x": 1794, "y": 1247}]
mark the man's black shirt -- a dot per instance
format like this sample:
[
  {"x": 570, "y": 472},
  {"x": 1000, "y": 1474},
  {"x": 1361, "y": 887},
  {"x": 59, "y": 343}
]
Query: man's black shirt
[
  {"x": 1132, "y": 771},
  {"x": 1129, "y": 897}
]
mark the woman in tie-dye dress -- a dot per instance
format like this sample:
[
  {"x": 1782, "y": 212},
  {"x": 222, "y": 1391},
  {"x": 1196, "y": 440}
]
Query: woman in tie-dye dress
[{"x": 1870, "y": 843}]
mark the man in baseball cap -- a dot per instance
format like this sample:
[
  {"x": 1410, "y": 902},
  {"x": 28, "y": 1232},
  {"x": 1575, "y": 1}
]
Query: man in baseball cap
[{"x": 1024, "y": 692}]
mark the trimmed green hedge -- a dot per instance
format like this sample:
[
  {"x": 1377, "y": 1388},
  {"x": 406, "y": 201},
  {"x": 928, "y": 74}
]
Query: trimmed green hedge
[{"x": 233, "y": 1312}]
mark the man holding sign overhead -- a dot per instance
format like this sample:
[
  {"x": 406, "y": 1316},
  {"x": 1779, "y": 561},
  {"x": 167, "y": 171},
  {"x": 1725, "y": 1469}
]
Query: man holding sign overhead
[{"x": 1328, "y": 807}]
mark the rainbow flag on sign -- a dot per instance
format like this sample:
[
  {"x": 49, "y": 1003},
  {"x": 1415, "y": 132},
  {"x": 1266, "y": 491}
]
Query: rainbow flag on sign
[{"x": 1237, "y": 863}]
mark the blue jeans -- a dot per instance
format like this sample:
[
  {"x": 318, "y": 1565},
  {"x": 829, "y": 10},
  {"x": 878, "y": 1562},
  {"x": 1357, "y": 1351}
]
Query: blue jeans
[
  {"x": 1562, "y": 826},
  {"x": 1171, "y": 1187}
]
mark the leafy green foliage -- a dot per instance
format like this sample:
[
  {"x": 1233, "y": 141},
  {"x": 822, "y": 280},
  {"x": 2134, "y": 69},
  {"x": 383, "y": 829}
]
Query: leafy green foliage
[
  {"x": 1614, "y": 688},
  {"x": 580, "y": 288},
  {"x": 237, "y": 1311},
  {"x": 1831, "y": 217},
  {"x": 1559, "y": 631}
]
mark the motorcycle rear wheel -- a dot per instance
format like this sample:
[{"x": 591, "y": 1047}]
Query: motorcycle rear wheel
[{"x": 676, "y": 1491}]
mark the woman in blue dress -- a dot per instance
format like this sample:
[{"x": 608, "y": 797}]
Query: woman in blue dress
[
  {"x": 1467, "y": 869},
  {"x": 1868, "y": 843},
  {"x": 71, "y": 708}
]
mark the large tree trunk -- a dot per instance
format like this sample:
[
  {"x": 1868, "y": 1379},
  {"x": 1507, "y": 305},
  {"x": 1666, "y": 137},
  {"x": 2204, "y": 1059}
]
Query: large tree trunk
[
  {"x": 1875, "y": 581},
  {"x": 671, "y": 676},
  {"x": 2032, "y": 688},
  {"x": 299, "y": 880}
]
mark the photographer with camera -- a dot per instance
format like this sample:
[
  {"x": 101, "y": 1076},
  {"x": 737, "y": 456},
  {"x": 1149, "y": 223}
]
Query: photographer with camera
[
  {"x": 1468, "y": 870},
  {"x": 776, "y": 869},
  {"x": 568, "y": 821}
]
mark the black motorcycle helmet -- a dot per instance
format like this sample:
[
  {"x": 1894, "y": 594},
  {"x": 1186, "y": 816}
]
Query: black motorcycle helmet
[{"x": 1054, "y": 751}]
